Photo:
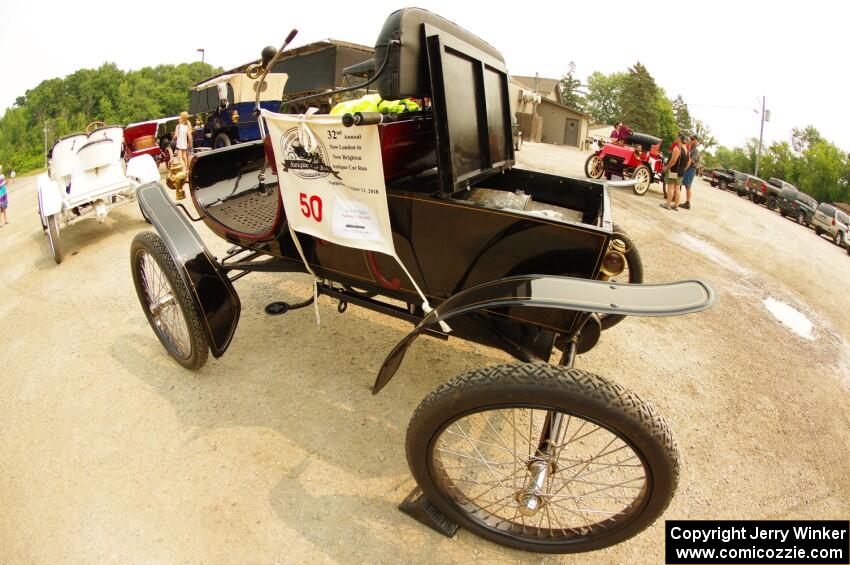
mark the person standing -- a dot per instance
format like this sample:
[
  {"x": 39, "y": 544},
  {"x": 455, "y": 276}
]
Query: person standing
[
  {"x": 675, "y": 168},
  {"x": 4, "y": 197},
  {"x": 183, "y": 137},
  {"x": 691, "y": 172}
]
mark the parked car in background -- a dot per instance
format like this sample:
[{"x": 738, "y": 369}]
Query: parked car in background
[
  {"x": 762, "y": 192},
  {"x": 226, "y": 106},
  {"x": 829, "y": 220},
  {"x": 150, "y": 138},
  {"x": 797, "y": 205},
  {"x": 740, "y": 184},
  {"x": 722, "y": 179}
]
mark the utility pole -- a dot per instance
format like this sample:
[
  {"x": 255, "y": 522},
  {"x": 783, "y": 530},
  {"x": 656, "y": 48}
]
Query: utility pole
[
  {"x": 203, "y": 52},
  {"x": 45, "y": 143},
  {"x": 761, "y": 136}
]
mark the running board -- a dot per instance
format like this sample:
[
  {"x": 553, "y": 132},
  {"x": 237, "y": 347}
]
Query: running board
[
  {"x": 670, "y": 299},
  {"x": 420, "y": 509}
]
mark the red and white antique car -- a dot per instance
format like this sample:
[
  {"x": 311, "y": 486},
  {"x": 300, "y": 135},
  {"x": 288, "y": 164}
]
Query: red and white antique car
[
  {"x": 150, "y": 138},
  {"x": 639, "y": 158}
]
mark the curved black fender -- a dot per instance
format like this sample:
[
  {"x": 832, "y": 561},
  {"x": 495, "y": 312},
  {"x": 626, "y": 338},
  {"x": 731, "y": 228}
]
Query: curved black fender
[
  {"x": 564, "y": 293},
  {"x": 212, "y": 292}
]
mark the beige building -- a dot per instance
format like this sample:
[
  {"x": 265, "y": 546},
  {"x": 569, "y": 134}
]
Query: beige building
[{"x": 542, "y": 117}]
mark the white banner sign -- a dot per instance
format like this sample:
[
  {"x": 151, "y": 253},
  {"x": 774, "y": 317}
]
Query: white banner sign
[
  {"x": 332, "y": 183},
  {"x": 332, "y": 180}
]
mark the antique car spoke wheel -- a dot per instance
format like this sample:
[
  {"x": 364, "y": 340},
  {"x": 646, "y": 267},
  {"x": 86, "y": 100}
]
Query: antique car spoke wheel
[
  {"x": 542, "y": 457},
  {"x": 593, "y": 167},
  {"x": 53, "y": 238},
  {"x": 166, "y": 301},
  {"x": 633, "y": 274},
  {"x": 643, "y": 176}
]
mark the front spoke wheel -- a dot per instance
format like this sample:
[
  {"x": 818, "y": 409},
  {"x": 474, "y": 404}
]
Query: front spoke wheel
[{"x": 542, "y": 457}]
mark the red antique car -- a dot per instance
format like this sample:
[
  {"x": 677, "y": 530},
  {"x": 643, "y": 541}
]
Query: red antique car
[
  {"x": 638, "y": 158},
  {"x": 150, "y": 138}
]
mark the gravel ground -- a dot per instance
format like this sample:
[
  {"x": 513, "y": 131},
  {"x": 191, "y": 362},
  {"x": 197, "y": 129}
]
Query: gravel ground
[{"x": 278, "y": 452}]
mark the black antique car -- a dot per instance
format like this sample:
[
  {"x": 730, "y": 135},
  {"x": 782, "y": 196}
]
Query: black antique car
[{"x": 532, "y": 455}]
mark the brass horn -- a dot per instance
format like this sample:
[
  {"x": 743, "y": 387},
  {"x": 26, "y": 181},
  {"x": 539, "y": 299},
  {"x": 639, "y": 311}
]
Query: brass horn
[
  {"x": 255, "y": 71},
  {"x": 614, "y": 262}
]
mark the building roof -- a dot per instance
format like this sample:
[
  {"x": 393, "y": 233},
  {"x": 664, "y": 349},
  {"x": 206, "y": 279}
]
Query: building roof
[
  {"x": 559, "y": 105},
  {"x": 302, "y": 50},
  {"x": 543, "y": 86}
]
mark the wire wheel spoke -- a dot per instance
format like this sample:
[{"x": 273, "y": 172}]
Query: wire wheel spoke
[
  {"x": 163, "y": 306},
  {"x": 583, "y": 476}
]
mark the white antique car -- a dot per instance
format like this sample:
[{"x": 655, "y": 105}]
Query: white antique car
[{"x": 87, "y": 175}]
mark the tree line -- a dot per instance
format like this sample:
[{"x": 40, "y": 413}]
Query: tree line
[
  {"x": 807, "y": 160},
  {"x": 107, "y": 94},
  {"x": 633, "y": 97},
  {"x": 810, "y": 162}
]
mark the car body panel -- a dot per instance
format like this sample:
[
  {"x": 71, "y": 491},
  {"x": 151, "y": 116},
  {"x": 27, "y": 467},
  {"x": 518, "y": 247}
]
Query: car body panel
[{"x": 212, "y": 292}]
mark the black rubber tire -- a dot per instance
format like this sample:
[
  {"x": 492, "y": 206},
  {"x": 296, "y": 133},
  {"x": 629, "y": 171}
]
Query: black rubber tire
[
  {"x": 587, "y": 170},
  {"x": 635, "y": 263},
  {"x": 771, "y": 203},
  {"x": 221, "y": 140},
  {"x": 645, "y": 141},
  {"x": 152, "y": 244},
  {"x": 782, "y": 212},
  {"x": 642, "y": 169},
  {"x": 547, "y": 387},
  {"x": 817, "y": 229},
  {"x": 722, "y": 185},
  {"x": 838, "y": 239},
  {"x": 53, "y": 238},
  {"x": 801, "y": 219}
]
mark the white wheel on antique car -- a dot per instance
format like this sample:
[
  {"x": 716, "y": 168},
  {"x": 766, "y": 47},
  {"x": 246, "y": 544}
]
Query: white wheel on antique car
[
  {"x": 167, "y": 302},
  {"x": 543, "y": 457},
  {"x": 53, "y": 237},
  {"x": 643, "y": 176},
  {"x": 593, "y": 167}
]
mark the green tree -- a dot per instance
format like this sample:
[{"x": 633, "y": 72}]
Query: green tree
[
  {"x": 780, "y": 161},
  {"x": 666, "y": 127},
  {"x": 683, "y": 116},
  {"x": 602, "y": 101},
  {"x": 108, "y": 94},
  {"x": 570, "y": 89},
  {"x": 639, "y": 100},
  {"x": 802, "y": 138},
  {"x": 703, "y": 132},
  {"x": 822, "y": 170}
]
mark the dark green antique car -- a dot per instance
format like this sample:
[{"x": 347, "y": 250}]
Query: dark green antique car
[{"x": 533, "y": 455}]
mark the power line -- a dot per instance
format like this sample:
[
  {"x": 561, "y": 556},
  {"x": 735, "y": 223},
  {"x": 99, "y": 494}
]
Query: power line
[{"x": 724, "y": 107}]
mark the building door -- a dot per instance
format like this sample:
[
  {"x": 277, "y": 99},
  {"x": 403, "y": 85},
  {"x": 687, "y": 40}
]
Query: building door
[{"x": 571, "y": 133}]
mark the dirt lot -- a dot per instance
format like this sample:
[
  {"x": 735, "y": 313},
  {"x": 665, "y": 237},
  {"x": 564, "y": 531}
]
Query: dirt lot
[{"x": 278, "y": 452}]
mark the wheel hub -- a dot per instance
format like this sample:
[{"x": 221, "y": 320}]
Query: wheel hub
[
  {"x": 161, "y": 304},
  {"x": 530, "y": 498}
]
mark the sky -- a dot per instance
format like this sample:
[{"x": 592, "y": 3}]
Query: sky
[{"x": 726, "y": 55}]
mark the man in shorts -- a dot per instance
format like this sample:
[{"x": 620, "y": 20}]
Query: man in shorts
[
  {"x": 691, "y": 172},
  {"x": 675, "y": 169}
]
